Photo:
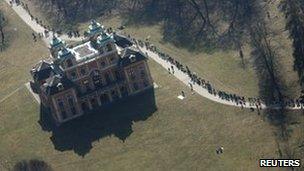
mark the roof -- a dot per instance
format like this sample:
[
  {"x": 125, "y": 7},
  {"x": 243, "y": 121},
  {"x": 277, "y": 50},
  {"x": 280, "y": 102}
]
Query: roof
[
  {"x": 41, "y": 71},
  {"x": 84, "y": 52},
  {"x": 64, "y": 53},
  {"x": 130, "y": 56},
  {"x": 122, "y": 41},
  {"x": 95, "y": 28},
  {"x": 104, "y": 38},
  {"x": 56, "y": 42},
  {"x": 56, "y": 84}
]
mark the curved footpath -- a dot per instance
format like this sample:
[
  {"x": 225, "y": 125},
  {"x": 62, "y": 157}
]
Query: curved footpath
[{"x": 23, "y": 14}]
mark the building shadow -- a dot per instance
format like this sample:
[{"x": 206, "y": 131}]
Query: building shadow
[{"x": 113, "y": 120}]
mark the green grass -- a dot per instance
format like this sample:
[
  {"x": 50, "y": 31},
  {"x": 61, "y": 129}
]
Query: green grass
[
  {"x": 222, "y": 68},
  {"x": 22, "y": 53},
  {"x": 180, "y": 135},
  {"x": 283, "y": 44}
]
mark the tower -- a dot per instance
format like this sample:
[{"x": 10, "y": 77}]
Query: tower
[
  {"x": 95, "y": 29},
  {"x": 56, "y": 44}
]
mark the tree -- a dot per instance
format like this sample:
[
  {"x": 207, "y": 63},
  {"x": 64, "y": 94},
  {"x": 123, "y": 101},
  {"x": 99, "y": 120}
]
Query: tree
[
  {"x": 32, "y": 165},
  {"x": 295, "y": 24},
  {"x": 2, "y": 38}
]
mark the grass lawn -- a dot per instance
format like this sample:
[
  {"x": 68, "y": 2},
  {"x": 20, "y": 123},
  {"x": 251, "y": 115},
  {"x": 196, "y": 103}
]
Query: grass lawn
[
  {"x": 222, "y": 68},
  {"x": 179, "y": 135},
  {"x": 284, "y": 50},
  {"x": 22, "y": 53}
]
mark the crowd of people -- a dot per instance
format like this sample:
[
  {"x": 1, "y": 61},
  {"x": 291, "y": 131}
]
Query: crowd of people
[
  {"x": 70, "y": 34},
  {"x": 251, "y": 102}
]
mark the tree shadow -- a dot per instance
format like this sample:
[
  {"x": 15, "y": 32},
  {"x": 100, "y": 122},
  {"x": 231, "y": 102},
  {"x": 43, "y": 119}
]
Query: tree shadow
[
  {"x": 272, "y": 88},
  {"x": 115, "y": 119}
]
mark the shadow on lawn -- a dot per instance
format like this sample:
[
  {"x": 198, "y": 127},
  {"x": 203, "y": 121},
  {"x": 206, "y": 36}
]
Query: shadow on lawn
[{"x": 115, "y": 119}]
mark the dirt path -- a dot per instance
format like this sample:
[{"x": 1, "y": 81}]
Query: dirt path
[{"x": 22, "y": 13}]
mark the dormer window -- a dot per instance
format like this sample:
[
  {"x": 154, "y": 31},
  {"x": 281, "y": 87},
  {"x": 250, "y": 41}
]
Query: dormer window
[
  {"x": 73, "y": 75},
  {"x": 132, "y": 58},
  {"x": 83, "y": 71},
  {"x": 101, "y": 51},
  {"x": 102, "y": 63},
  {"x": 69, "y": 63},
  {"x": 142, "y": 73},
  {"x": 60, "y": 86},
  {"x": 109, "y": 47},
  {"x": 132, "y": 74},
  {"x": 112, "y": 59}
]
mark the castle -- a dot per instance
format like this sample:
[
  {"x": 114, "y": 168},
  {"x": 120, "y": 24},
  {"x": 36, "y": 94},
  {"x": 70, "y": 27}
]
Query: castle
[{"x": 104, "y": 68}]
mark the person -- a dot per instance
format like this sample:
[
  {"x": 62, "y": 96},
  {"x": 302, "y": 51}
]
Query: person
[
  {"x": 219, "y": 150},
  {"x": 169, "y": 70},
  {"x": 183, "y": 94},
  {"x": 258, "y": 110},
  {"x": 191, "y": 86}
]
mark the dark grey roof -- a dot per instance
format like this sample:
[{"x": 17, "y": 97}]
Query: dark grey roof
[
  {"x": 42, "y": 65},
  {"x": 52, "y": 85},
  {"x": 41, "y": 71},
  {"x": 130, "y": 56},
  {"x": 122, "y": 41}
]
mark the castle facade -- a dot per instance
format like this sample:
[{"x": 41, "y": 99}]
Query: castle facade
[{"x": 98, "y": 71}]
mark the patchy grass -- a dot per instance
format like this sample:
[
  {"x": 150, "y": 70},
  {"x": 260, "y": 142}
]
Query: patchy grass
[
  {"x": 222, "y": 68},
  {"x": 36, "y": 11},
  {"x": 22, "y": 53},
  {"x": 284, "y": 50},
  {"x": 180, "y": 135}
]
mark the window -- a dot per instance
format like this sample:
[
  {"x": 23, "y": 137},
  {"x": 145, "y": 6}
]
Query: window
[
  {"x": 73, "y": 75},
  {"x": 94, "y": 103},
  {"x": 107, "y": 76},
  {"x": 73, "y": 110},
  {"x": 101, "y": 51},
  {"x": 84, "y": 106},
  {"x": 104, "y": 98},
  {"x": 71, "y": 101},
  {"x": 60, "y": 104},
  {"x": 87, "y": 85},
  {"x": 145, "y": 83},
  {"x": 72, "y": 105},
  {"x": 135, "y": 86},
  {"x": 132, "y": 74},
  {"x": 63, "y": 114},
  {"x": 83, "y": 71},
  {"x": 142, "y": 73},
  {"x": 114, "y": 94},
  {"x": 62, "y": 109},
  {"x": 123, "y": 91},
  {"x": 117, "y": 75},
  {"x": 97, "y": 81},
  {"x": 69, "y": 63},
  {"x": 112, "y": 59},
  {"x": 109, "y": 47},
  {"x": 132, "y": 58},
  {"x": 60, "y": 86},
  {"x": 102, "y": 63}
]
